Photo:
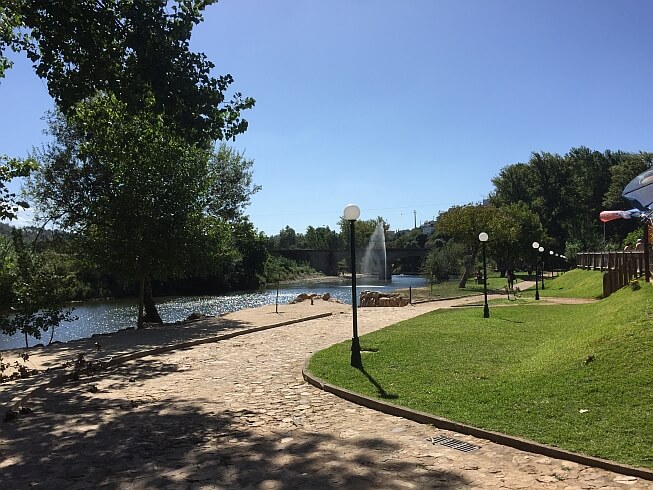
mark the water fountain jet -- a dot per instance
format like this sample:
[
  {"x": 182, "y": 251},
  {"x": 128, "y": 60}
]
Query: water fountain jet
[{"x": 375, "y": 257}]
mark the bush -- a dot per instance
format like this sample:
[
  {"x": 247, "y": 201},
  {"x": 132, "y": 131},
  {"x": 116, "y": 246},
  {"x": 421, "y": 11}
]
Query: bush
[{"x": 283, "y": 269}]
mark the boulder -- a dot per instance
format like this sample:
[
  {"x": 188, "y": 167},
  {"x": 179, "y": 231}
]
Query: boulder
[{"x": 374, "y": 298}]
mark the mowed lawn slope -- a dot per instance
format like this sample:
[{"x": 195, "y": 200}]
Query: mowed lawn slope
[{"x": 579, "y": 377}]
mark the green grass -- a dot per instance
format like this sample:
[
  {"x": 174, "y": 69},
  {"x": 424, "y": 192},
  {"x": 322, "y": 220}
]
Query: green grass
[
  {"x": 524, "y": 371},
  {"x": 450, "y": 289},
  {"x": 576, "y": 283}
]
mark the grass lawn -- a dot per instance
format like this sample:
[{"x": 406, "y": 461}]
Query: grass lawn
[
  {"x": 574, "y": 376},
  {"x": 576, "y": 283},
  {"x": 450, "y": 289}
]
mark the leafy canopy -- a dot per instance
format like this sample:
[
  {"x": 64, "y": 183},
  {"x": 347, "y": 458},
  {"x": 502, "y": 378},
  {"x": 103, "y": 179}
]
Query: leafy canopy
[{"x": 134, "y": 49}]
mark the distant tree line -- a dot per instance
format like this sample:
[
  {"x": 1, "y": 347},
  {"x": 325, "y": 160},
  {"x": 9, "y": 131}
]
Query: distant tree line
[{"x": 552, "y": 199}]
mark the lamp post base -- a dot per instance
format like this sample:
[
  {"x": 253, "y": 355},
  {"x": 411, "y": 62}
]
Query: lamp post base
[
  {"x": 356, "y": 360},
  {"x": 486, "y": 311}
]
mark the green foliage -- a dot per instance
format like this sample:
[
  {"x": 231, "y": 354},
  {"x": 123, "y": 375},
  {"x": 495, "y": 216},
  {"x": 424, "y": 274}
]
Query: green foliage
[
  {"x": 230, "y": 183},
  {"x": 11, "y": 168},
  {"x": 11, "y": 36},
  {"x": 462, "y": 224},
  {"x": 142, "y": 201},
  {"x": 8, "y": 264},
  {"x": 511, "y": 230},
  {"x": 282, "y": 269},
  {"x": 287, "y": 239},
  {"x": 568, "y": 192},
  {"x": 252, "y": 255},
  {"x": 632, "y": 237},
  {"x": 39, "y": 289},
  {"x": 511, "y": 372},
  {"x": 127, "y": 184},
  {"x": 364, "y": 230},
  {"x": 414, "y": 238},
  {"x": 323, "y": 238},
  {"x": 133, "y": 50},
  {"x": 444, "y": 262}
]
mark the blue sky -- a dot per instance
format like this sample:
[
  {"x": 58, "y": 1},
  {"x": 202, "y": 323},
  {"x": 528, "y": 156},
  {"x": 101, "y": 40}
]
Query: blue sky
[{"x": 410, "y": 106}]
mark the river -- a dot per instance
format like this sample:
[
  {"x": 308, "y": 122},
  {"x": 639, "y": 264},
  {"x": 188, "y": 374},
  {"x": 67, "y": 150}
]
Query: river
[{"x": 109, "y": 316}]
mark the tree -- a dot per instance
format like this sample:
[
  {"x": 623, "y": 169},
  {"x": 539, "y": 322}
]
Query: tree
[
  {"x": 624, "y": 168},
  {"x": 364, "y": 230},
  {"x": 512, "y": 230},
  {"x": 287, "y": 238},
  {"x": 322, "y": 238},
  {"x": 568, "y": 192},
  {"x": 443, "y": 262},
  {"x": 138, "y": 212},
  {"x": 230, "y": 184},
  {"x": 139, "y": 115},
  {"x": 136, "y": 50},
  {"x": 11, "y": 36},
  {"x": 463, "y": 224},
  {"x": 38, "y": 293},
  {"x": 7, "y": 273},
  {"x": 11, "y": 168}
]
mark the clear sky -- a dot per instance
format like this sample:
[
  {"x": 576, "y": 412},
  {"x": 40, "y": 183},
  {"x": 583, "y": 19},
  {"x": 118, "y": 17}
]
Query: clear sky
[{"x": 406, "y": 106}]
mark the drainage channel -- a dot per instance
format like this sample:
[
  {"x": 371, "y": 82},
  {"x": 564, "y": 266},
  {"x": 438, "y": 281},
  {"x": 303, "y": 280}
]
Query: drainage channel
[{"x": 453, "y": 443}]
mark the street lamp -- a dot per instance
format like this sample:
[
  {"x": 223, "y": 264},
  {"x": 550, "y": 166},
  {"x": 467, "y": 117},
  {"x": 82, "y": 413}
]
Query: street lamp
[
  {"x": 352, "y": 212},
  {"x": 551, "y": 262},
  {"x": 536, "y": 246},
  {"x": 541, "y": 249},
  {"x": 486, "y": 309}
]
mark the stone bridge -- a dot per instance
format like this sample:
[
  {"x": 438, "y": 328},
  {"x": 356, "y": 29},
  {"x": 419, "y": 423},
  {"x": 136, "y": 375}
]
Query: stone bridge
[{"x": 326, "y": 261}]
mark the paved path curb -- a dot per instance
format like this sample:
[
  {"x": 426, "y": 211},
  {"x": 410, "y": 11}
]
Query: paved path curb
[{"x": 441, "y": 423}]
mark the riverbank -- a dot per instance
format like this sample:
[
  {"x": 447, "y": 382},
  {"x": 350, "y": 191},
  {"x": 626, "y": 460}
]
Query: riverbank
[
  {"x": 101, "y": 347},
  {"x": 100, "y": 317}
]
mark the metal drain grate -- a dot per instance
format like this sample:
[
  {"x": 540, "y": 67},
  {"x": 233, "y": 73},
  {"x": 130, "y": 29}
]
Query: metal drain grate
[{"x": 453, "y": 443}]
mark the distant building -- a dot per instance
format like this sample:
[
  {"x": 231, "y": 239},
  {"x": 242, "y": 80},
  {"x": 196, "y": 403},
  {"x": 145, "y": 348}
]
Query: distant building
[{"x": 428, "y": 227}]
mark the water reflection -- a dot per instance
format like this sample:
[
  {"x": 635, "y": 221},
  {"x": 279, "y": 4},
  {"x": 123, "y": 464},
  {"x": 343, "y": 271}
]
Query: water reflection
[{"x": 109, "y": 316}]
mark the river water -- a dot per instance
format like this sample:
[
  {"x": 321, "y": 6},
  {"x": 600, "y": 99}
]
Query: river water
[{"x": 110, "y": 316}]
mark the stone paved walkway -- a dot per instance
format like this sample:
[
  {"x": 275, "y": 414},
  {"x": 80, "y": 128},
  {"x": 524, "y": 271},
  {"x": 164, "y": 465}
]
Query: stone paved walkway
[{"x": 237, "y": 414}]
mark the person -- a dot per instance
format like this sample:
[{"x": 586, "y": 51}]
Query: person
[
  {"x": 479, "y": 277},
  {"x": 511, "y": 279}
]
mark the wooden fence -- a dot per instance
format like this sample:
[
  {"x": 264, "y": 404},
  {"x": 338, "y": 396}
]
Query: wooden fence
[{"x": 619, "y": 267}]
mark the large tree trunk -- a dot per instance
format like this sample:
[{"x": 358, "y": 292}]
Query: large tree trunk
[
  {"x": 470, "y": 265},
  {"x": 151, "y": 313},
  {"x": 465, "y": 276}
]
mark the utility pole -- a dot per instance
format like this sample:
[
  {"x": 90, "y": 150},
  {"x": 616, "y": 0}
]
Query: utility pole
[{"x": 415, "y": 214}]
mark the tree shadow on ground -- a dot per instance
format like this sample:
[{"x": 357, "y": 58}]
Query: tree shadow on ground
[
  {"x": 78, "y": 438},
  {"x": 57, "y": 359}
]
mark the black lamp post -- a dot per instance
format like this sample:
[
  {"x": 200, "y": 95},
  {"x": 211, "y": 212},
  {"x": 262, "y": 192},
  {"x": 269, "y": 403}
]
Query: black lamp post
[
  {"x": 352, "y": 212},
  {"x": 486, "y": 309},
  {"x": 536, "y": 246},
  {"x": 541, "y": 250}
]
